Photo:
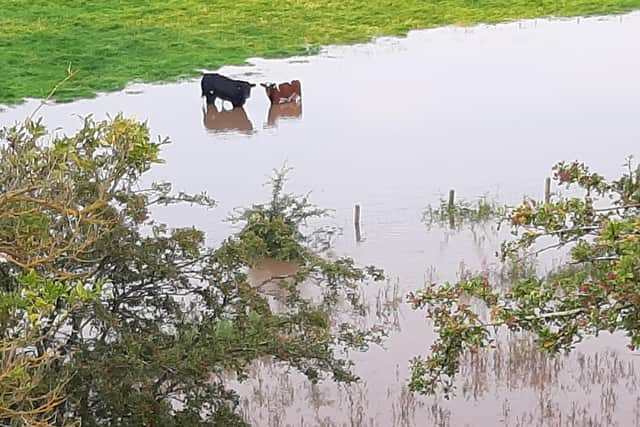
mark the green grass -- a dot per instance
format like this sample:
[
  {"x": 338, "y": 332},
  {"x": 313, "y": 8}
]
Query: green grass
[{"x": 115, "y": 42}]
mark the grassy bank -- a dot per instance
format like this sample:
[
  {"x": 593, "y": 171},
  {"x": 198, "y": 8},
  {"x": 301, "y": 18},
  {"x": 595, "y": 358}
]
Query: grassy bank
[{"x": 112, "y": 43}]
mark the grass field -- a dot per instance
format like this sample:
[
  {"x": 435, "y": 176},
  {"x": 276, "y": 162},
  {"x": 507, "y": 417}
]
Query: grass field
[{"x": 112, "y": 43}]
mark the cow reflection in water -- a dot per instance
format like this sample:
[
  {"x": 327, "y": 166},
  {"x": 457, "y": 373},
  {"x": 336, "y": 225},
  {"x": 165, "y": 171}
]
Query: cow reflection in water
[
  {"x": 289, "y": 110},
  {"x": 226, "y": 120}
]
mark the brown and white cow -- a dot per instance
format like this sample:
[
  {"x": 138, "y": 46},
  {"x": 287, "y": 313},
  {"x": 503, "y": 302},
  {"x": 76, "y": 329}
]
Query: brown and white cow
[{"x": 283, "y": 93}]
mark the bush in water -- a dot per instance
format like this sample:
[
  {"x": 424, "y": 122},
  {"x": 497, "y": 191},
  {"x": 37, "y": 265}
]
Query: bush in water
[{"x": 135, "y": 323}]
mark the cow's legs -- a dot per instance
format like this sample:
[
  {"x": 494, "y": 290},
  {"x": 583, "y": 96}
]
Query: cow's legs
[{"x": 211, "y": 97}]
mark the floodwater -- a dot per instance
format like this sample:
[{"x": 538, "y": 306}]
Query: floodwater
[{"x": 391, "y": 125}]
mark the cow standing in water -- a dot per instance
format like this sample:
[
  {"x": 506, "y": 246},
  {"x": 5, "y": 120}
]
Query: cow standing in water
[
  {"x": 283, "y": 93},
  {"x": 218, "y": 86}
]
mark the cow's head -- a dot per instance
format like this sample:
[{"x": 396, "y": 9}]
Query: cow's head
[
  {"x": 245, "y": 89},
  {"x": 270, "y": 88}
]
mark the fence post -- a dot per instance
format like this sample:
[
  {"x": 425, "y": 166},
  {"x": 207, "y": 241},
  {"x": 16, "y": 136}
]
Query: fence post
[
  {"x": 547, "y": 190},
  {"x": 356, "y": 223},
  {"x": 452, "y": 220}
]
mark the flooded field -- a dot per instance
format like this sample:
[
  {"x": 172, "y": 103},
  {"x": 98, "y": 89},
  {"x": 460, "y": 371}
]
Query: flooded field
[{"x": 391, "y": 126}]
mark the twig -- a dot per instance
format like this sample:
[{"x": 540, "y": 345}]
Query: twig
[
  {"x": 272, "y": 278},
  {"x": 70, "y": 74},
  {"x": 534, "y": 317},
  {"x": 634, "y": 205}
]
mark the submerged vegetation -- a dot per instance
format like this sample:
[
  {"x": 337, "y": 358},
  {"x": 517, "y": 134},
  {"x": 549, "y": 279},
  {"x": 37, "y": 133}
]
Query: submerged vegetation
[
  {"x": 597, "y": 290},
  {"x": 109, "y": 318},
  {"x": 147, "y": 41},
  {"x": 461, "y": 213}
]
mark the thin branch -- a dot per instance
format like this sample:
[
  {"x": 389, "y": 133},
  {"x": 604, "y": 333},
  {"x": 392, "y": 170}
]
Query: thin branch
[
  {"x": 631, "y": 206},
  {"x": 272, "y": 278},
  {"x": 70, "y": 74},
  {"x": 533, "y": 317}
]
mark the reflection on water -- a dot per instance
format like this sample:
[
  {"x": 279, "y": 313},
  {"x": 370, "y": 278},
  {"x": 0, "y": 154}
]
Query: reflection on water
[
  {"x": 512, "y": 385},
  {"x": 288, "y": 110},
  {"x": 269, "y": 274},
  {"x": 221, "y": 120},
  {"x": 487, "y": 108},
  {"x": 272, "y": 277}
]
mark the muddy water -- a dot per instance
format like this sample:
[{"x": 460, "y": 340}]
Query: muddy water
[{"x": 391, "y": 125}]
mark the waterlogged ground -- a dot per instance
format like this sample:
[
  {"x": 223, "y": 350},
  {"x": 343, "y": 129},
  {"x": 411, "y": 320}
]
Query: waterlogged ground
[{"x": 391, "y": 125}]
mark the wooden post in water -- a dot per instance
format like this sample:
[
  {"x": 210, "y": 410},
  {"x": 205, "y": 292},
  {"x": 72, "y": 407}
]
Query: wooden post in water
[
  {"x": 452, "y": 219},
  {"x": 547, "y": 190},
  {"x": 356, "y": 223}
]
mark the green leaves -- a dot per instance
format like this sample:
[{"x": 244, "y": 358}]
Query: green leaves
[
  {"x": 275, "y": 229},
  {"x": 57, "y": 196},
  {"x": 58, "y": 215},
  {"x": 39, "y": 296},
  {"x": 143, "y": 314},
  {"x": 599, "y": 289}
]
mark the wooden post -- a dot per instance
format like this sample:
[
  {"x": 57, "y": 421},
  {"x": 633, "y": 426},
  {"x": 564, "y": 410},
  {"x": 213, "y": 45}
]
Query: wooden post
[
  {"x": 547, "y": 190},
  {"x": 356, "y": 223},
  {"x": 452, "y": 220}
]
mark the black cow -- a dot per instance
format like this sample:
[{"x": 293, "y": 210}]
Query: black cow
[{"x": 218, "y": 86}]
